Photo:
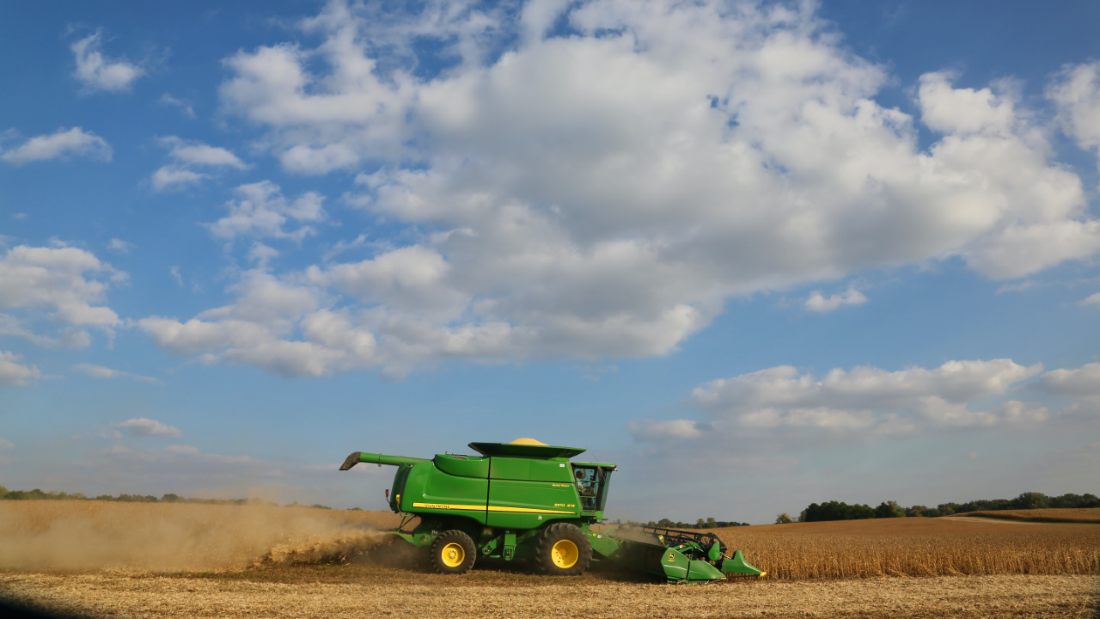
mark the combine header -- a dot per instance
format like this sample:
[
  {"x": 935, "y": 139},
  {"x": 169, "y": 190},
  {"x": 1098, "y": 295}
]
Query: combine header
[{"x": 526, "y": 500}]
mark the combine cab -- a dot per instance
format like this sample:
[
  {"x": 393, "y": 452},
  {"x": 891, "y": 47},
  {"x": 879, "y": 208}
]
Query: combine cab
[{"x": 526, "y": 500}]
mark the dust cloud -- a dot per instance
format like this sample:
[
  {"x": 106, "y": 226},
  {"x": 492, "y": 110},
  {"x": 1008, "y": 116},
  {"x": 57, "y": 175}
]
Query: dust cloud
[{"x": 158, "y": 537}]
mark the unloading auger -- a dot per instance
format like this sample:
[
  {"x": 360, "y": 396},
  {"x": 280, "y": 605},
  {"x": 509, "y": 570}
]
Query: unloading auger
[{"x": 526, "y": 500}]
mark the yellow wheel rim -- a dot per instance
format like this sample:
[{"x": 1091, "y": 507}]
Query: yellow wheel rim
[
  {"x": 453, "y": 554},
  {"x": 564, "y": 553}
]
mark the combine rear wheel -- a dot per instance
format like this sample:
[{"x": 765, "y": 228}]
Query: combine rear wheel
[
  {"x": 452, "y": 552},
  {"x": 563, "y": 550}
]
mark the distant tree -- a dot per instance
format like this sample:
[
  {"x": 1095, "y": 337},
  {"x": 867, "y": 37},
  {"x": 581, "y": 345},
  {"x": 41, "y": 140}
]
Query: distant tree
[
  {"x": 1031, "y": 500},
  {"x": 783, "y": 519},
  {"x": 836, "y": 510},
  {"x": 711, "y": 522},
  {"x": 3, "y": 492},
  {"x": 1075, "y": 500},
  {"x": 889, "y": 509}
]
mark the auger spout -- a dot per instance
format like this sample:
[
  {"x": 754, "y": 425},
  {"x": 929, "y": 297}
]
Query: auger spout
[{"x": 356, "y": 457}]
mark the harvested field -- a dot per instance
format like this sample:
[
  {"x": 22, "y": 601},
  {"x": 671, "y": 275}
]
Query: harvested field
[
  {"x": 165, "y": 560},
  {"x": 1087, "y": 515},
  {"x": 372, "y": 592}
]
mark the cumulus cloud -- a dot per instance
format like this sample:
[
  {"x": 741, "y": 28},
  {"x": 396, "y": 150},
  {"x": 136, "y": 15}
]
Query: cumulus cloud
[
  {"x": 120, "y": 246},
  {"x": 15, "y": 373},
  {"x": 196, "y": 153},
  {"x": 947, "y": 109},
  {"x": 665, "y": 430},
  {"x": 69, "y": 337},
  {"x": 1093, "y": 300},
  {"x": 327, "y": 122},
  {"x": 100, "y": 371},
  {"x": 174, "y": 177},
  {"x": 603, "y": 194},
  {"x": 871, "y": 400},
  {"x": 64, "y": 284},
  {"x": 98, "y": 72},
  {"x": 184, "y": 107},
  {"x": 260, "y": 210},
  {"x": 821, "y": 304},
  {"x": 1082, "y": 381},
  {"x": 143, "y": 426},
  {"x": 273, "y": 325},
  {"x": 188, "y": 156},
  {"x": 1076, "y": 92},
  {"x": 63, "y": 143}
]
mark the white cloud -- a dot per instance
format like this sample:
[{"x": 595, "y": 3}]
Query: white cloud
[
  {"x": 947, "y": 109},
  {"x": 67, "y": 282},
  {"x": 262, "y": 254},
  {"x": 173, "y": 177},
  {"x": 1093, "y": 299},
  {"x": 177, "y": 275},
  {"x": 184, "y": 107},
  {"x": 1076, "y": 92},
  {"x": 604, "y": 194},
  {"x": 120, "y": 246},
  {"x": 100, "y": 371},
  {"x": 273, "y": 325},
  {"x": 63, "y": 143},
  {"x": 70, "y": 337},
  {"x": 143, "y": 426},
  {"x": 664, "y": 430},
  {"x": 1082, "y": 381},
  {"x": 14, "y": 373},
  {"x": 97, "y": 72},
  {"x": 321, "y": 123},
  {"x": 188, "y": 155},
  {"x": 198, "y": 154},
  {"x": 869, "y": 399},
  {"x": 817, "y": 302},
  {"x": 261, "y": 210}
]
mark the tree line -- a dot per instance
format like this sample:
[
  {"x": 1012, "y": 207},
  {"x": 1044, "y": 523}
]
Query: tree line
[
  {"x": 701, "y": 523},
  {"x": 43, "y": 495},
  {"x": 839, "y": 510}
]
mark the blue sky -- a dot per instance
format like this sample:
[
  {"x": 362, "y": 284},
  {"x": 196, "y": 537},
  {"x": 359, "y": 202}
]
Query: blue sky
[{"x": 758, "y": 254}]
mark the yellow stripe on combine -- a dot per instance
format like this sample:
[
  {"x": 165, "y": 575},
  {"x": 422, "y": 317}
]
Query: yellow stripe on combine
[
  {"x": 492, "y": 508},
  {"x": 526, "y": 510}
]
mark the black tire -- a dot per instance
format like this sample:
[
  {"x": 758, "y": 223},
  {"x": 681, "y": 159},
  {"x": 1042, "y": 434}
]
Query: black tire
[
  {"x": 452, "y": 552},
  {"x": 573, "y": 552}
]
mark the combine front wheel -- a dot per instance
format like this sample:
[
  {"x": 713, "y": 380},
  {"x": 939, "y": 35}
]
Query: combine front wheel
[
  {"x": 563, "y": 550},
  {"x": 452, "y": 552}
]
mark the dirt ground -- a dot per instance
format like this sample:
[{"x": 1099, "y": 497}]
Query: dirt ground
[
  {"x": 378, "y": 591},
  {"x": 95, "y": 559}
]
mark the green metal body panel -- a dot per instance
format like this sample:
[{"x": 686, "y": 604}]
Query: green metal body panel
[
  {"x": 505, "y": 496},
  {"x": 738, "y": 565},
  {"x": 524, "y": 487}
]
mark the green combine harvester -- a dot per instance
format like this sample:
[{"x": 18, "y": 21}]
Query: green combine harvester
[{"x": 526, "y": 500}]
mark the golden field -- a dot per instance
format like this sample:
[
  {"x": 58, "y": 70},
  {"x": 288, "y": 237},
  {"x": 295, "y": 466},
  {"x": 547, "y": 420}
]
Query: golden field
[
  {"x": 188, "y": 560},
  {"x": 1090, "y": 515},
  {"x": 359, "y": 592},
  {"x": 917, "y": 547}
]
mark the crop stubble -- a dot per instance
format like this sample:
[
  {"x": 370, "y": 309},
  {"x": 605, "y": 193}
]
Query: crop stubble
[
  {"x": 487, "y": 594},
  {"x": 271, "y": 568}
]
